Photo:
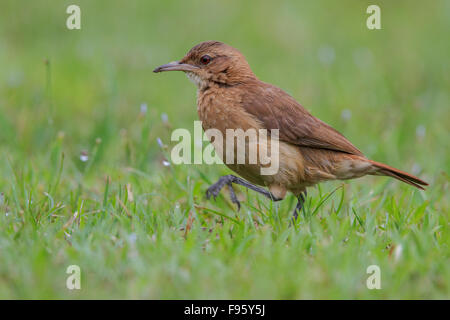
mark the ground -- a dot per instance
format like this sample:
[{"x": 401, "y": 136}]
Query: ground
[{"x": 84, "y": 181}]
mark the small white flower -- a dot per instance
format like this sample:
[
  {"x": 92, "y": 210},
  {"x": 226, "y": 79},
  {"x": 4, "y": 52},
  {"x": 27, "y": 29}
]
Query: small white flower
[
  {"x": 166, "y": 163},
  {"x": 84, "y": 157},
  {"x": 416, "y": 168},
  {"x": 132, "y": 238},
  {"x": 346, "y": 114},
  {"x": 164, "y": 117},
  {"x": 326, "y": 54},
  {"x": 398, "y": 252},
  {"x": 144, "y": 108},
  {"x": 421, "y": 130},
  {"x": 160, "y": 143}
]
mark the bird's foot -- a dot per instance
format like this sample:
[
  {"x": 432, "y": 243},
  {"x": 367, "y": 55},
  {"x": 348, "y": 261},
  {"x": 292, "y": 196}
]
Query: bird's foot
[{"x": 215, "y": 189}]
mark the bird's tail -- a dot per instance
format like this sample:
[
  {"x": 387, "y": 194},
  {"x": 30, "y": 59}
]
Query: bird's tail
[{"x": 386, "y": 170}]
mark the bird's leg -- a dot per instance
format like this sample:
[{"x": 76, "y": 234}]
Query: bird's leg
[
  {"x": 229, "y": 180},
  {"x": 300, "y": 202}
]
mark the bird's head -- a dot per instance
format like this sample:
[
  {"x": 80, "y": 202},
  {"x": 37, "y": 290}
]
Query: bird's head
[{"x": 212, "y": 62}]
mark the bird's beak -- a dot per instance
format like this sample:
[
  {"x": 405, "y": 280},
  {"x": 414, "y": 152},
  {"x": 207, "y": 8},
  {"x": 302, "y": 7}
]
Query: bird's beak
[{"x": 176, "y": 66}]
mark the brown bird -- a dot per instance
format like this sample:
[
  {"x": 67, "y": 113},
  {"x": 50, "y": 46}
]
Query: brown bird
[{"x": 230, "y": 96}]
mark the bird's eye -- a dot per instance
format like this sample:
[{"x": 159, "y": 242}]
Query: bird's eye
[{"x": 205, "y": 59}]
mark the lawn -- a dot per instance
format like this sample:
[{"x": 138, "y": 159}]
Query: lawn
[{"x": 86, "y": 177}]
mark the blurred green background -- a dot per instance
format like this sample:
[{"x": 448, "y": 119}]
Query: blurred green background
[{"x": 90, "y": 94}]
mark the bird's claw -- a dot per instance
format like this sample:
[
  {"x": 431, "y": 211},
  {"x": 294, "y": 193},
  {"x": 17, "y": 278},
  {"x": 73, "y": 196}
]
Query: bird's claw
[{"x": 214, "y": 191}]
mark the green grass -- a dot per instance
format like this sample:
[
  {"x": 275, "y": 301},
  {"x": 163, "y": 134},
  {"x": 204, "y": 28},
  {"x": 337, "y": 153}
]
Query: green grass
[{"x": 144, "y": 230}]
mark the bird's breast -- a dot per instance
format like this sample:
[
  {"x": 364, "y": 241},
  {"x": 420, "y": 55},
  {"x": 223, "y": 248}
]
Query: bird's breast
[{"x": 219, "y": 108}]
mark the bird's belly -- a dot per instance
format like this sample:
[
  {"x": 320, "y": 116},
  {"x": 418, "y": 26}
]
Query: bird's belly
[{"x": 262, "y": 161}]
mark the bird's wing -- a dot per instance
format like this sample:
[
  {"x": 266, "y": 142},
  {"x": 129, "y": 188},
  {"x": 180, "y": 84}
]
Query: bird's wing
[{"x": 278, "y": 110}]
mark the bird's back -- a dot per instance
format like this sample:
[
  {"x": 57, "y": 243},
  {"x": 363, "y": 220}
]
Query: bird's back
[{"x": 278, "y": 110}]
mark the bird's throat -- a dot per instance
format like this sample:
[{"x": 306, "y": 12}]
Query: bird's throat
[{"x": 197, "y": 80}]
